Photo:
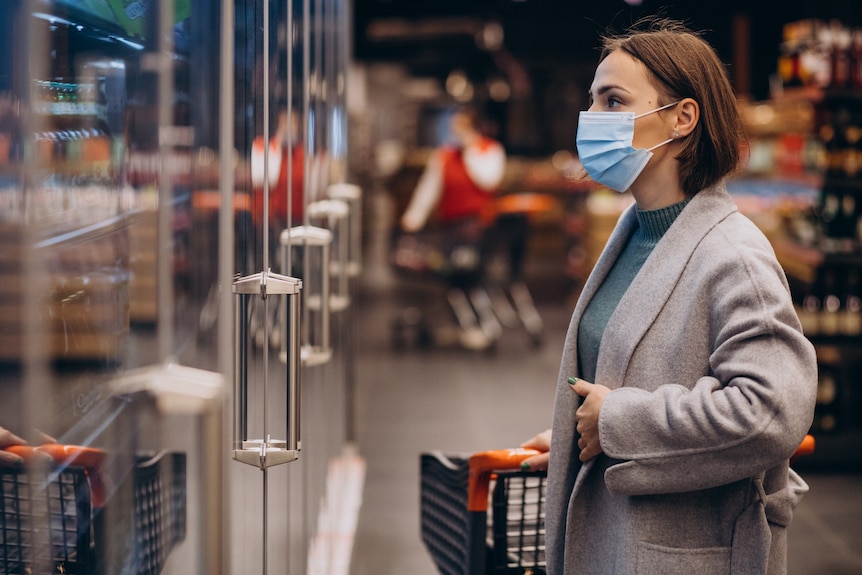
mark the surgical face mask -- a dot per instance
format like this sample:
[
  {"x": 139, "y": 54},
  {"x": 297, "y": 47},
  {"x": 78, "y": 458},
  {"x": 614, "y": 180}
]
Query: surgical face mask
[{"x": 605, "y": 148}]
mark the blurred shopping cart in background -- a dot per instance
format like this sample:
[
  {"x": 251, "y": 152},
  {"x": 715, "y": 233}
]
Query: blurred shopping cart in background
[
  {"x": 480, "y": 262},
  {"x": 53, "y": 515}
]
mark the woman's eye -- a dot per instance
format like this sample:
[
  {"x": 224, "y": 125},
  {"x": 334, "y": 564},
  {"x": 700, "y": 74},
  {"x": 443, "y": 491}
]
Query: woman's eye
[{"x": 613, "y": 102}]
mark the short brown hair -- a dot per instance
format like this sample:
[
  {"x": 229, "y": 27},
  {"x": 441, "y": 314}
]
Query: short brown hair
[{"x": 684, "y": 65}]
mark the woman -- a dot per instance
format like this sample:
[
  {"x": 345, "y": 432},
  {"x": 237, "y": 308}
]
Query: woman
[{"x": 691, "y": 381}]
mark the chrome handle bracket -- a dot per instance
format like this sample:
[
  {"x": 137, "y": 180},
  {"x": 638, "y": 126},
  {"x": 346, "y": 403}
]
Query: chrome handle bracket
[{"x": 265, "y": 453}]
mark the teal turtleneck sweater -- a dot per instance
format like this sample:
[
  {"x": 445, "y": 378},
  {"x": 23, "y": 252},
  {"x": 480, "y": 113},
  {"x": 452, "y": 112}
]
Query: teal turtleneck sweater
[{"x": 652, "y": 225}]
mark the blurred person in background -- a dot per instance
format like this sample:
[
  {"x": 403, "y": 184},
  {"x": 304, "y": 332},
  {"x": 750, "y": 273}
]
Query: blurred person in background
[
  {"x": 686, "y": 383},
  {"x": 286, "y": 171},
  {"x": 456, "y": 196},
  {"x": 461, "y": 179}
]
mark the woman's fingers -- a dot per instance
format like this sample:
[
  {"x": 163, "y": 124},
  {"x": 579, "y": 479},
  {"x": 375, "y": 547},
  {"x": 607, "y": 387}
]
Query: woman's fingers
[
  {"x": 540, "y": 441},
  {"x": 581, "y": 386},
  {"x": 10, "y": 459},
  {"x": 588, "y": 417},
  {"x": 8, "y": 438},
  {"x": 536, "y": 462}
]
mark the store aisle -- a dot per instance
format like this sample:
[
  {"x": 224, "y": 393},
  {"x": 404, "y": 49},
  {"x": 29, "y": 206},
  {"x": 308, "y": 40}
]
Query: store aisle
[
  {"x": 457, "y": 401},
  {"x": 439, "y": 399}
]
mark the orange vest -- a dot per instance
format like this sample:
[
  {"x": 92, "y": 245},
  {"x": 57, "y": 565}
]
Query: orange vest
[
  {"x": 461, "y": 198},
  {"x": 278, "y": 190}
]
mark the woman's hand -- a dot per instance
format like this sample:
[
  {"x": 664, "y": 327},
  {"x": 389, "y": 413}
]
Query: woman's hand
[
  {"x": 540, "y": 442},
  {"x": 8, "y": 439},
  {"x": 588, "y": 417}
]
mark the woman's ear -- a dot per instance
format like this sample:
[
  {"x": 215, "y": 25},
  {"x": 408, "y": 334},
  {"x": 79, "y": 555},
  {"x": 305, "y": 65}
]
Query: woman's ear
[{"x": 687, "y": 116}]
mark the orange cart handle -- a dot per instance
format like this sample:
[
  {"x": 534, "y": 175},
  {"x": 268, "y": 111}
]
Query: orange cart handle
[
  {"x": 525, "y": 203},
  {"x": 805, "y": 448},
  {"x": 528, "y": 204},
  {"x": 482, "y": 468},
  {"x": 90, "y": 459}
]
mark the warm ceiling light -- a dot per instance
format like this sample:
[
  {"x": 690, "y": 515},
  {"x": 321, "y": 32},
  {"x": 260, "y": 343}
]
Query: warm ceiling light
[
  {"x": 499, "y": 90},
  {"x": 458, "y": 86},
  {"x": 490, "y": 38}
]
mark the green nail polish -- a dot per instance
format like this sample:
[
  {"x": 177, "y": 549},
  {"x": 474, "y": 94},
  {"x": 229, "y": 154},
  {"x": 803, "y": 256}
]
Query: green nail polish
[
  {"x": 525, "y": 466},
  {"x": 573, "y": 380}
]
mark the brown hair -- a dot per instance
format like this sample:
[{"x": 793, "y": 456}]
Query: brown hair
[{"x": 683, "y": 65}]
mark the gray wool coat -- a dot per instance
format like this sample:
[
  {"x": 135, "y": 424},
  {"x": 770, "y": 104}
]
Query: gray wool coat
[{"x": 713, "y": 388}]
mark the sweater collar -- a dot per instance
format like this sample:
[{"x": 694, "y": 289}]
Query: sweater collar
[{"x": 653, "y": 224}]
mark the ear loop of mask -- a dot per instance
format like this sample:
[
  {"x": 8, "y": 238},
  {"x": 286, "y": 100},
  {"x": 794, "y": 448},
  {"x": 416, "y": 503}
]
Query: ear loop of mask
[
  {"x": 659, "y": 145},
  {"x": 666, "y": 106}
]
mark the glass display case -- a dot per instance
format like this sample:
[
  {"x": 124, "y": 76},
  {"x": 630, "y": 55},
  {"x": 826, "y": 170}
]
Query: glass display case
[{"x": 129, "y": 202}]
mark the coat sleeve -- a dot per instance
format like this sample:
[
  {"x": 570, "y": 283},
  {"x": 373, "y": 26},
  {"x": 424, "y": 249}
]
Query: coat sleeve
[{"x": 747, "y": 414}]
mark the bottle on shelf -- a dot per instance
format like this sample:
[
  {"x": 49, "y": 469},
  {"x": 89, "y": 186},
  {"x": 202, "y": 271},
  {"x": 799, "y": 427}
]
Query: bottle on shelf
[
  {"x": 850, "y": 156},
  {"x": 809, "y": 315},
  {"x": 789, "y": 57},
  {"x": 840, "y": 57},
  {"x": 851, "y": 312},
  {"x": 826, "y": 410},
  {"x": 856, "y": 61},
  {"x": 830, "y": 213}
]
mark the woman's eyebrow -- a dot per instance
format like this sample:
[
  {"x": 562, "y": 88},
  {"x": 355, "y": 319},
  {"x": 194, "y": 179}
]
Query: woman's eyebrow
[{"x": 606, "y": 88}]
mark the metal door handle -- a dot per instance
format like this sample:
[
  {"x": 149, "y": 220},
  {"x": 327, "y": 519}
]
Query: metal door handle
[
  {"x": 313, "y": 243},
  {"x": 351, "y": 194},
  {"x": 335, "y": 213},
  {"x": 267, "y": 452}
]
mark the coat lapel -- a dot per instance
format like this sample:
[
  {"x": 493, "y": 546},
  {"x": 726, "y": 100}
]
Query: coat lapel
[{"x": 651, "y": 288}]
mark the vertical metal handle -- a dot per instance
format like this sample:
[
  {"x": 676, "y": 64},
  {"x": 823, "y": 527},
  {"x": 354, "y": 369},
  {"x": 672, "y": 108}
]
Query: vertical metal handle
[
  {"x": 351, "y": 194},
  {"x": 294, "y": 443},
  {"x": 315, "y": 242},
  {"x": 240, "y": 392},
  {"x": 335, "y": 213},
  {"x": 266, "y": 452}
]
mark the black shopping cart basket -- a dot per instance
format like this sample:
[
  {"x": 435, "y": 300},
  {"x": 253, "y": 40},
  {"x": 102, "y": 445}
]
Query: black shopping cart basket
[
  {"x": 462, "y": 537},
  {"x": 50, "y": 515}
]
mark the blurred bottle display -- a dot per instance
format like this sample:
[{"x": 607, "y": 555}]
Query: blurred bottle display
[
  {"x": 820, "y": 62},
  {"x": 75, "y": 120},
  {"x": 820, "y": 54}
]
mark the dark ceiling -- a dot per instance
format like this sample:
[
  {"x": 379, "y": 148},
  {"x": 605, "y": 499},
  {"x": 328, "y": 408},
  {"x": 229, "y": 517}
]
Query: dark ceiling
[{"x": 433, "y": 37}]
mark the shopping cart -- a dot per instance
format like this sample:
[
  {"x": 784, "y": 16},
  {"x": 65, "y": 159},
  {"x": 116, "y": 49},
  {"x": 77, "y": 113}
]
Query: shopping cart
[
  {"x": 457, "y": 492},
  {"x": 462, "y": 537},
  {"x": 52, "y": 514},
  {"x": 480, "y": 261}
]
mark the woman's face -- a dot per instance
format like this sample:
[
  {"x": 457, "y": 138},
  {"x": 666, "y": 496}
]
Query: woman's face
[{"x": 622, "y": 84}]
